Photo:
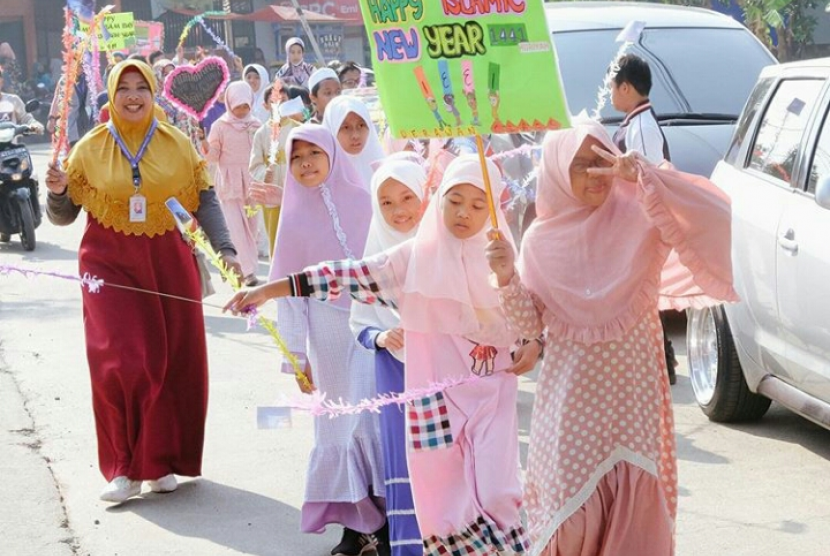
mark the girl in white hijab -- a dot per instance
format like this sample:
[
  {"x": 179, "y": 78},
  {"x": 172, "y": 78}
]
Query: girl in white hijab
[
  {"x": 348, "y": 119},
  {"x": 397, "y": 206},
  {"x": 257, "y": 77}
]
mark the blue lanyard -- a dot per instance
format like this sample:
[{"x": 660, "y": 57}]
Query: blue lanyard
[{"x": 134, "y": 160}]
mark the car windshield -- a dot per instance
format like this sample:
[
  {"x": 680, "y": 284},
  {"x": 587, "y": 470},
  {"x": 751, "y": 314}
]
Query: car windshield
[{"x": 694, "y": 70}]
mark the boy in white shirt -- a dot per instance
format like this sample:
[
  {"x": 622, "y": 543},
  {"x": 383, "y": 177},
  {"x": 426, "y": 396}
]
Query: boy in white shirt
[
  {"x": 630, "y": 79},
  {"x": 639, "y": 131}
]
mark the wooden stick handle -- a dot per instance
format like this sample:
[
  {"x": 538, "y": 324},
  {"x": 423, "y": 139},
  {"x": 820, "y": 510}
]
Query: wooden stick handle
[{"x": 488, "y": 190}]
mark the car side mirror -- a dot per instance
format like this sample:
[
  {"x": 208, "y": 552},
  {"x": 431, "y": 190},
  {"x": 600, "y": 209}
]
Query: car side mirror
[{"x": 823, "y": 191}]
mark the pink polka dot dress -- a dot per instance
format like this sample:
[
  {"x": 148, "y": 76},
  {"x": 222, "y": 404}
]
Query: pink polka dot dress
[{"x": 602, "y": 470}]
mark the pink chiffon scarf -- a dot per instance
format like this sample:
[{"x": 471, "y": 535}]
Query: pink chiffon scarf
[
  {"x": 446, "y": 287},
  {"x": 598, "y": 269},
  {"x": 237, "y": 94}
]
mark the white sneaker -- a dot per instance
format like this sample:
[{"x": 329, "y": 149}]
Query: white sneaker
[
  {"x": 119, "y": 489},
  {"x": 164, "y": 484}
]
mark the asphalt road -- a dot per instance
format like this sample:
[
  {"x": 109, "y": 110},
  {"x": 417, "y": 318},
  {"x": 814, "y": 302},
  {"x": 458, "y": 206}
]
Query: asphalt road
[{"x": 755, "y": 489}]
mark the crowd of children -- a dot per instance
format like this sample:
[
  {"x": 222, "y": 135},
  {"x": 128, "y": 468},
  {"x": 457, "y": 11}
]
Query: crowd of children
[
  {"x": 436, "y": 295},
  {"x": 387, "y": 283}
]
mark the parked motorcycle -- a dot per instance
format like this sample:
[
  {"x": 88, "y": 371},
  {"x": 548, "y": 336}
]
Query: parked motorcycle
[{"x": 19, "y": 202}]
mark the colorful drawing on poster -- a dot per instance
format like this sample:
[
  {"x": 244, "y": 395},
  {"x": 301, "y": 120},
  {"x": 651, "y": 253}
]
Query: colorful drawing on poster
[
  {"x": 469, "y": 89},
  {"x": 496, "y": 53},
  {"x": 429, "y": 96}
]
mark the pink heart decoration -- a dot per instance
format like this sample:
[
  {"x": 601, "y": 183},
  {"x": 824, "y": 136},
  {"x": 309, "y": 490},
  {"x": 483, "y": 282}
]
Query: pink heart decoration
[{"x": 195, "y": 89}]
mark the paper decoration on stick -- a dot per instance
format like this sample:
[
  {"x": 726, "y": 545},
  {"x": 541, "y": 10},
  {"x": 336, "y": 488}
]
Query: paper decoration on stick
[
  {"x": 84, "y": 9},
  {"x": 195, "y": 89},
  {"x": 632, "y": 31}
]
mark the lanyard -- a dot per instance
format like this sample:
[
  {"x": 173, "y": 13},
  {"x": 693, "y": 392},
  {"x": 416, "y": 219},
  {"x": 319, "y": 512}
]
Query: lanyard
[{"x": 134, "y": 160}]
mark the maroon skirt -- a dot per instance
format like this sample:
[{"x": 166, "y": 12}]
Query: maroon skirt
[{"x": 147, "y": 354}]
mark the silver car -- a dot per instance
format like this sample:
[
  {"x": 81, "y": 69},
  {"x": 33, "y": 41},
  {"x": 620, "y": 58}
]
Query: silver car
[{"x": 775, "y": 343}]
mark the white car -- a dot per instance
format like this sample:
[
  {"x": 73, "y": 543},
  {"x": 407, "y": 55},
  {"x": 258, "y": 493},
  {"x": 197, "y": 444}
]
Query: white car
[{"x": 775, "y": 343}]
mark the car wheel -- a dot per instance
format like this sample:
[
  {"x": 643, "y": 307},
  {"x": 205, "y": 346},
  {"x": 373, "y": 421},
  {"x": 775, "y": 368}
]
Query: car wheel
[{"x": 715, "y": 372}]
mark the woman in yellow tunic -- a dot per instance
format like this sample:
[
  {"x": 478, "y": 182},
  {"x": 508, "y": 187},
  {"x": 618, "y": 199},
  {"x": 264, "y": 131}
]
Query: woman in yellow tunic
[{"x": 147, "y": 354}]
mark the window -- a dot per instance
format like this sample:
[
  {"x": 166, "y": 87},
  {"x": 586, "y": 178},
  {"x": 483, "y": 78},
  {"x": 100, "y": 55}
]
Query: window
[
  {"x": 820, "y": 165},
  {"x": 751, "y": 108},
  {"x": 696, "y": 70},
  {"x": 779, "y": 135}
]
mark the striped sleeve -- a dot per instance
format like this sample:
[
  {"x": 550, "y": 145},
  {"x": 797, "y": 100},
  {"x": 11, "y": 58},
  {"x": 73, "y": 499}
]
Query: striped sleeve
[{"x": 328, "y": 281}]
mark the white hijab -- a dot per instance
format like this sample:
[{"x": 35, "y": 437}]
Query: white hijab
[
  {"x": 258, "y": 109},
  {"x": 382, "y": 237},
  {"x": 336, "y": 112}
]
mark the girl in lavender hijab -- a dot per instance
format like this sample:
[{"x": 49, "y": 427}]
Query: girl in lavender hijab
[{"x": 325, "y": 215}]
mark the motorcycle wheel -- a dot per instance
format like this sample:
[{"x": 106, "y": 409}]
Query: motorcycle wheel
[{"x": 27, "y": 234}]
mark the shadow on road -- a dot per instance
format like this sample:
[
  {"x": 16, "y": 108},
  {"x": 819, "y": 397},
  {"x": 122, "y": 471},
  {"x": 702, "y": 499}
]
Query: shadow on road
[
  {"x": 688, "y": 451},
  {"x": 246, "y": 522},
  {"x": 782, "y": 424}
]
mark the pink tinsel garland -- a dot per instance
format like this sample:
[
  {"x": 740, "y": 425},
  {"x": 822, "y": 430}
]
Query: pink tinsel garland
[
  {"x": 319, "y": 406},
  {"x": 524, "y": 150},
  {"x": 316, "y": 403},
  {"x": 93, "y": 283}
]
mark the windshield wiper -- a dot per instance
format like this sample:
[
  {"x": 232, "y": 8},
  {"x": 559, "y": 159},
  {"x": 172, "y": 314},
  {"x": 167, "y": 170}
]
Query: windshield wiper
[{"x": 698, "y": 117}]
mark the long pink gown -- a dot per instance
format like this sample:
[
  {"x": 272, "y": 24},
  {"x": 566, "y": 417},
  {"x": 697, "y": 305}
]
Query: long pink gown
[
  {"x": 462, "y": 444},
  {"x": 602, "y": 463},
  {"x": 230, "y": 151}
]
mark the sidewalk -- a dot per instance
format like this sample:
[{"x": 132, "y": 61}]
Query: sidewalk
[{"x": 32, "y": 519}]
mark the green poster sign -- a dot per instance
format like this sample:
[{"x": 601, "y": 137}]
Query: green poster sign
[
  {"x": 119, "y": 34},
  {"x": 449, "y": 68}
]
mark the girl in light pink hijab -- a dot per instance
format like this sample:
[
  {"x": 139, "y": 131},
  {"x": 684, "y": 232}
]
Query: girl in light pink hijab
[
  {"x": 602, "y": 470},
  {"x": 229, "y": 148},
  {"x": 463, "y": 449}
]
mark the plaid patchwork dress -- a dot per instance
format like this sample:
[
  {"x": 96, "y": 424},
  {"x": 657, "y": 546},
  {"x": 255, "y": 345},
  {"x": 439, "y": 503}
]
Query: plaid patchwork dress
[{"x": 463, "y": 450}]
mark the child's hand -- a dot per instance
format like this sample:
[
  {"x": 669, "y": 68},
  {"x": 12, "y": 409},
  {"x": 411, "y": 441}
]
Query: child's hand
[
  {"x": 501, "y": 258},
  {"x": 524, "y": 359},
  {"x": 626, "y": 167},
  {"x": 390, "y": 339},
  {"x": 233, "y": 264},
  {"x": 265, "y": 194},
  {"x": 247, "y": 299},
  {"x": 306, "y": 388}
]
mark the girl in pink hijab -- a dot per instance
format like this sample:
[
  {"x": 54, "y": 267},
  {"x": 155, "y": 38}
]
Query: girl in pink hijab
[
  {"x": 229, "y": 143},
  {"x": 615, "y": 240},
  {"x": 462, "y": 443}
]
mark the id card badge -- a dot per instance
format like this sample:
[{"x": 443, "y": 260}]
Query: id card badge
[{"x": 138, "y": 208}]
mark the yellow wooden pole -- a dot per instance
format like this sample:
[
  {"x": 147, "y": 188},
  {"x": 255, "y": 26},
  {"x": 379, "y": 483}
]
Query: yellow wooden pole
[{"x": 488, "y": 190}]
